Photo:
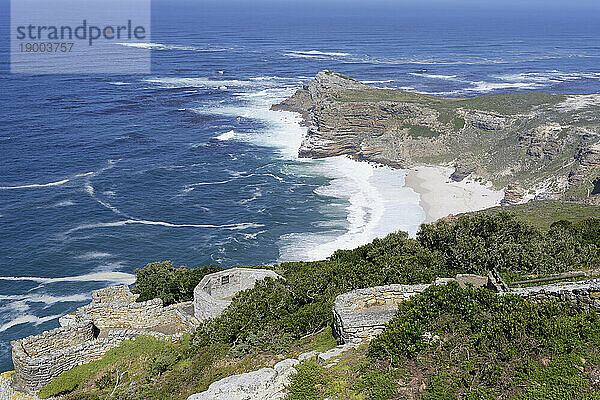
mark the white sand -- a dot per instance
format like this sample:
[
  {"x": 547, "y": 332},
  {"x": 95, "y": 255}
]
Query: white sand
[{"x": 440, "y": 196}]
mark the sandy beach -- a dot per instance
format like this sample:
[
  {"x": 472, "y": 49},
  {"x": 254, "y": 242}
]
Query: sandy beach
[{"x": 440, "y": 196}]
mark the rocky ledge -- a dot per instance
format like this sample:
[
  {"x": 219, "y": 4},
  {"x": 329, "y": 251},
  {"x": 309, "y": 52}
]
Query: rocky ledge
[{"x": 548, "y": 143}]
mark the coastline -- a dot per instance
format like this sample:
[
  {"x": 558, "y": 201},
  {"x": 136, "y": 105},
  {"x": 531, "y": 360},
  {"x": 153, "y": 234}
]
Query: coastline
[{"x": 441, "y": 197}]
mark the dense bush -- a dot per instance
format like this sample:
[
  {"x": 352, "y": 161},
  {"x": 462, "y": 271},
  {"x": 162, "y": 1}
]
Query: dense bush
[
  {"x": 301, "y": 304},
  {"x": 303, "y": 383},
  {"x": 477, "y": 244},
  {"x": 489, "y": 344},
  {"x": 172, "y": 285}
]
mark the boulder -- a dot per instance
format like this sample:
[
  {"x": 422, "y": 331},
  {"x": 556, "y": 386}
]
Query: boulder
[{"x": 264, "y": 384}]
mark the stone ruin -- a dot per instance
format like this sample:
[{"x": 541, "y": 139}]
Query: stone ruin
[
  {"x": 215, "y": 291},
  {"x": 363, "y": 313},
  {"x": 114, "y": 316},
  {"x": 89, "y": 332}
]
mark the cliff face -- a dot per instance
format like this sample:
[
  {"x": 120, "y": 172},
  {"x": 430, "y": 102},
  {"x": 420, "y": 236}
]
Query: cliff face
[{"x": 548, "y": 143}]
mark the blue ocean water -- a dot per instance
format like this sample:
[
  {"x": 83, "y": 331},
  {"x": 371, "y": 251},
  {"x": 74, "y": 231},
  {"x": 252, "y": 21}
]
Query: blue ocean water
[{"x": 102, "y": 174}]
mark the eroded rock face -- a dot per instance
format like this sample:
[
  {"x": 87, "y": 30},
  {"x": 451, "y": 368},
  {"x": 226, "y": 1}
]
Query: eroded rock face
[
  {"x": 533, "y": 138},
  {"x": 513, "y": 194}
]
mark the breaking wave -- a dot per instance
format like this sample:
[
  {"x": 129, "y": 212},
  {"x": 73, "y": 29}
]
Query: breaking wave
[
  {"x": 116, "y": 277},
  {"x": 28, "y": 319}
]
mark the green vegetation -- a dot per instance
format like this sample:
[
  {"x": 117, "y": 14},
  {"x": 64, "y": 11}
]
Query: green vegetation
[
  {"x": 102, "y": 371},
  {"x": 484, "y": 341},
  {"x": 475, "y": 344},
  {"x": 542, "y": 214},
  {"x": 507, "y": 104},
  {"x": 172, "y": 285},
  {"x": 423, "y": 131}
]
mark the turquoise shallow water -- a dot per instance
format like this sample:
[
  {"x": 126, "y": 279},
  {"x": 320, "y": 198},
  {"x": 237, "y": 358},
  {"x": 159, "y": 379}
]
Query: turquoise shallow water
[{"x": 102, "y": 174}]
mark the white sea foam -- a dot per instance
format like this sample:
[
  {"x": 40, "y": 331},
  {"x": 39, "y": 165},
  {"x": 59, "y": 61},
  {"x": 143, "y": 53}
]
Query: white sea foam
[
  {"x": 547, "y": 77},
  {"x": 110, "y": 276},
  {"x": 315, "y": 54},
  {"x": 64, "y": 203},
  {"x": 435, "y": 76},
  {"x": 160, "y": 46},
  {"x": 94, "y": 255},
  {"x": 190, "y": 187},
  {"x": 226, "y": 136},
  {"x": 377, "y": 202},
  {"x": 373, "y": 82},
  {"x": 89, "y": 189},
  {"x": 36, "y": 185},
  {"x": 240, "y": 226},
  {"x": 28, "y": 319},
  {"x": 44, "y": 298},
  {"x": 482, "y": 86},
  {"x": 56, "y": 183},
  {"x": 173, "y": 83}
]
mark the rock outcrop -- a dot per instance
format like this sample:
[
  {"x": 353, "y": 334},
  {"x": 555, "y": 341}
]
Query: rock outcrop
[
  {"x": 548, "y": 142},
  {"x": 267, "y": 383},
  {"x": 264, "y": 384}
]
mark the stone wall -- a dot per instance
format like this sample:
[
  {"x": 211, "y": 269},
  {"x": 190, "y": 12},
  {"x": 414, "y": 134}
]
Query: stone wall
[
  {"x": 363, "y": 313},
  {"x": 114, "y": 315},
  {"x": 215, "y": 291},
  {"x": 583, "y": 294},
  {"x": 144, "y": 315},
  {"x": 120, "y": 293},
  {"x": 39, "y": 359},
  {"x": 122, "y": 312}
]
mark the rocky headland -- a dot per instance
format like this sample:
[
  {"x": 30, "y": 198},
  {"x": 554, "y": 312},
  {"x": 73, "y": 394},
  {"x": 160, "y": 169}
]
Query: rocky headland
[{"x": 532, "y": 145}]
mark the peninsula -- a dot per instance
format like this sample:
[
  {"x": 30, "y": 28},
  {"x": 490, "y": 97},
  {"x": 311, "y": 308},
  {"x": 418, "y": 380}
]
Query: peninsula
[{"x": 532, "y": 145}]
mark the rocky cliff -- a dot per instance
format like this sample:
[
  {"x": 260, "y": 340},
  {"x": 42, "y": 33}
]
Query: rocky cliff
[{"x": 539, "y": 144}]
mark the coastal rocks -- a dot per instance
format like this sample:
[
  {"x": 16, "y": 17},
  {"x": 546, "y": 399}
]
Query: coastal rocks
[
  {"x": 268, "y": 383},
  {"x": 543, "y": 141},
  {"x": 462, "y": 170},
  {"x": 587, "y": 169},
  {"x": 337, "y": 351},
  {"x": 513, "y": 194},
  {"x": 486, "y": 121},
  {"x": 516, "y": 137},
  {"x": 317, "y": 145},
  {"x": 264, "y": 384}
]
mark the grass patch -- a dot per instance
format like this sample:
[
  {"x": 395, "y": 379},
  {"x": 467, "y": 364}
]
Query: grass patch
[
  {"x": 129, "y": 351},
  {"x": 542, "y": 214}
]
